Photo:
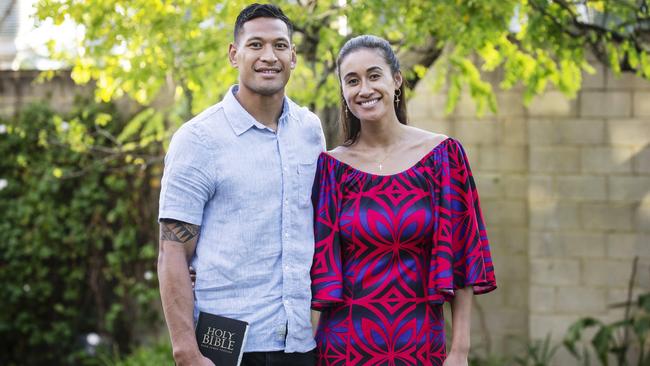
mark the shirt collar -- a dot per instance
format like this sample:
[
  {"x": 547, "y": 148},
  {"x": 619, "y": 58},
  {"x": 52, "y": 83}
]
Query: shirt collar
[{"x": 240, "y": 120}]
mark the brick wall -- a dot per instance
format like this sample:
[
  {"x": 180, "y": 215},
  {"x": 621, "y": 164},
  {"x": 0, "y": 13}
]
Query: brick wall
[{"x": 565, "y": 189}]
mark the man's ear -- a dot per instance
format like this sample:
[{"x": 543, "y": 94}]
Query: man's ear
[
  {"x": 232, "y": 55},
  {"x": 293, "y": 56}
]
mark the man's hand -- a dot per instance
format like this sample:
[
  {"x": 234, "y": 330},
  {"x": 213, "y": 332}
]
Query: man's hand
[
  {"x": 205, "y": 362},
  {"x": 196, "y": 360}
]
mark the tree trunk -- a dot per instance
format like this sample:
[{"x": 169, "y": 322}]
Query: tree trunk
[{"x": 329, "y": 117}]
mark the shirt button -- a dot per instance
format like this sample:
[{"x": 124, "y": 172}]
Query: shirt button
[{"x": 286, "y": 235}]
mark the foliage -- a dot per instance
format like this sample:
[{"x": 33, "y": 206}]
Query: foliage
[
  {"x": 78, "y": 250},
  {"x": 154, "y": 355},
  {"x": 538, "y": 353},
  {"x": 136, "y": 47},
  {"x": 533, "y": 353},
  {"x": 489, "y": 360},
  {"x": 613, "y": 338}
]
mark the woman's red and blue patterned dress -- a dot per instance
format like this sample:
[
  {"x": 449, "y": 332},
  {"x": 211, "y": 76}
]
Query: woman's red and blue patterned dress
[{"x": 390, "y": 250}]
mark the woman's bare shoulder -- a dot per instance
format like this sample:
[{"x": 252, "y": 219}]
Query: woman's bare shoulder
[
  {"x": 346, "y": 154},
  {"x": 340, "y": 152},
  {"x": 426, "y": 139}
]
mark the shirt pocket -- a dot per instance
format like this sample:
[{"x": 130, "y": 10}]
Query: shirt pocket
[{"x": 306, "y": 172}]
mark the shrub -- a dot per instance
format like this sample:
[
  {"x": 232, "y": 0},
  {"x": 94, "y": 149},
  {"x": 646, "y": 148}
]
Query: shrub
[{"x": 78, "y": 248}]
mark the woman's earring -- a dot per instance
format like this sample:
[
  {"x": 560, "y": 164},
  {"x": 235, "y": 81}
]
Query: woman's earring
[
  {"x": 346, "y": 110},
  {"x": 398, "y": 93}
]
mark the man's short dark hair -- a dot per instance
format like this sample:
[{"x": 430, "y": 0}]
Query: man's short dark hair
[{"x": 260, "y": 11}]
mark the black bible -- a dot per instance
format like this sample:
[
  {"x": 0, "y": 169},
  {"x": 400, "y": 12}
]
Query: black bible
[{"x": 221, "y": 339}]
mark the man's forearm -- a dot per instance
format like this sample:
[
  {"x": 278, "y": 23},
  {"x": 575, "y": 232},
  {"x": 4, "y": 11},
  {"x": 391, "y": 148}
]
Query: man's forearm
[
  {"x": 178, "y": 304},
  {"x": 177, "y": 244}
]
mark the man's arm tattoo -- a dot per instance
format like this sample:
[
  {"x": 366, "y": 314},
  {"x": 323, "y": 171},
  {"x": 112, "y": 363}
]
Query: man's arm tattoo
[{"x": 178, "y": 231}]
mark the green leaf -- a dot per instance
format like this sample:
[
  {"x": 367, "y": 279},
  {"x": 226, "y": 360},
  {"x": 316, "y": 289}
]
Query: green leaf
[
  {"x": 135, "y": 124},
  {"x": 633, "y": 57},
  {"x": 614, "y": 61},
  {"x": 601, "y": 342},
  {"x": 103, "y": 119},
  {"x": 574, "y": 333},
  {"x": 643, "y": 302}
]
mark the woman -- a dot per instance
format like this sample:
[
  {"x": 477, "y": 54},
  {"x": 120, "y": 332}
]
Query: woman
[{"x": 398, "y": 228}]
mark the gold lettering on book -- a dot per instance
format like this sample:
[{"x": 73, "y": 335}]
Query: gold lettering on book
[{"x": 219, "y": 339}]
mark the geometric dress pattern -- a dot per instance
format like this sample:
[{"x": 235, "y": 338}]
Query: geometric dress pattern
[{"x": 390, "y": 250}]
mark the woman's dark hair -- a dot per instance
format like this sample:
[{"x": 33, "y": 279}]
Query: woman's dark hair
[
  {"x": 254, "y": 11},
  {"x": 351, "y": 124}
]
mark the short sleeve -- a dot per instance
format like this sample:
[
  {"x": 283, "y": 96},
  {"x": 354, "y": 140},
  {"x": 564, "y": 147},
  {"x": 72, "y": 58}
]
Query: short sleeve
[
  {"x": 326, "y": 270},
  {"x": 461, "y": 252},
  {"x": 187, "y": 183}
]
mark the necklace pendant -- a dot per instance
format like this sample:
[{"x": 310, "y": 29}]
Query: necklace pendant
[{"x": 379, "y": 166}]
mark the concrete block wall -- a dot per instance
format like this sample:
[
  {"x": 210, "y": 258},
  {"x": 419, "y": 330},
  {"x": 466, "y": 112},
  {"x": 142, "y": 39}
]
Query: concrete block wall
[
  {"x": 20, "y": 88},
  {"x": 497, "y": 148},
  {"x": 565, "y": 188},
  {"x": 588, "y": 202}
]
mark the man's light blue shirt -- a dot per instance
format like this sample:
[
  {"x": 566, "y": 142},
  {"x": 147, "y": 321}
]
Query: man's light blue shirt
[{"x": 249, "y": 188}]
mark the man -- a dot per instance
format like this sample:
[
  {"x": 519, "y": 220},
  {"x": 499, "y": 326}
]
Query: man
[{"x": 235, "y": 204}]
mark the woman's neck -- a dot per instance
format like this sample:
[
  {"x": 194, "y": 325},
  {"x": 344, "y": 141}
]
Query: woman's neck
[{"x": 380, "y": 134}]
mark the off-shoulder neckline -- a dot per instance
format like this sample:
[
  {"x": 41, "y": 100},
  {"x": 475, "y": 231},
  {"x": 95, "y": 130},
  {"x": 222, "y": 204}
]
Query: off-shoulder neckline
[{"x": 424, "y": 158}]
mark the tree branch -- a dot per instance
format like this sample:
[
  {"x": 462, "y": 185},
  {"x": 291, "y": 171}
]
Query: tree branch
[
  {"x": 575, "y": 28},
  {"x": 424, "y": 55}
]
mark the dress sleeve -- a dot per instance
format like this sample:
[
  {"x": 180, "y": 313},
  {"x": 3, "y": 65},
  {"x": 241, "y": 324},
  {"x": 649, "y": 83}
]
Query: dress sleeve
[
  {"x": 461, "y": 251},
  {"x": 326, "y": 270}
]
